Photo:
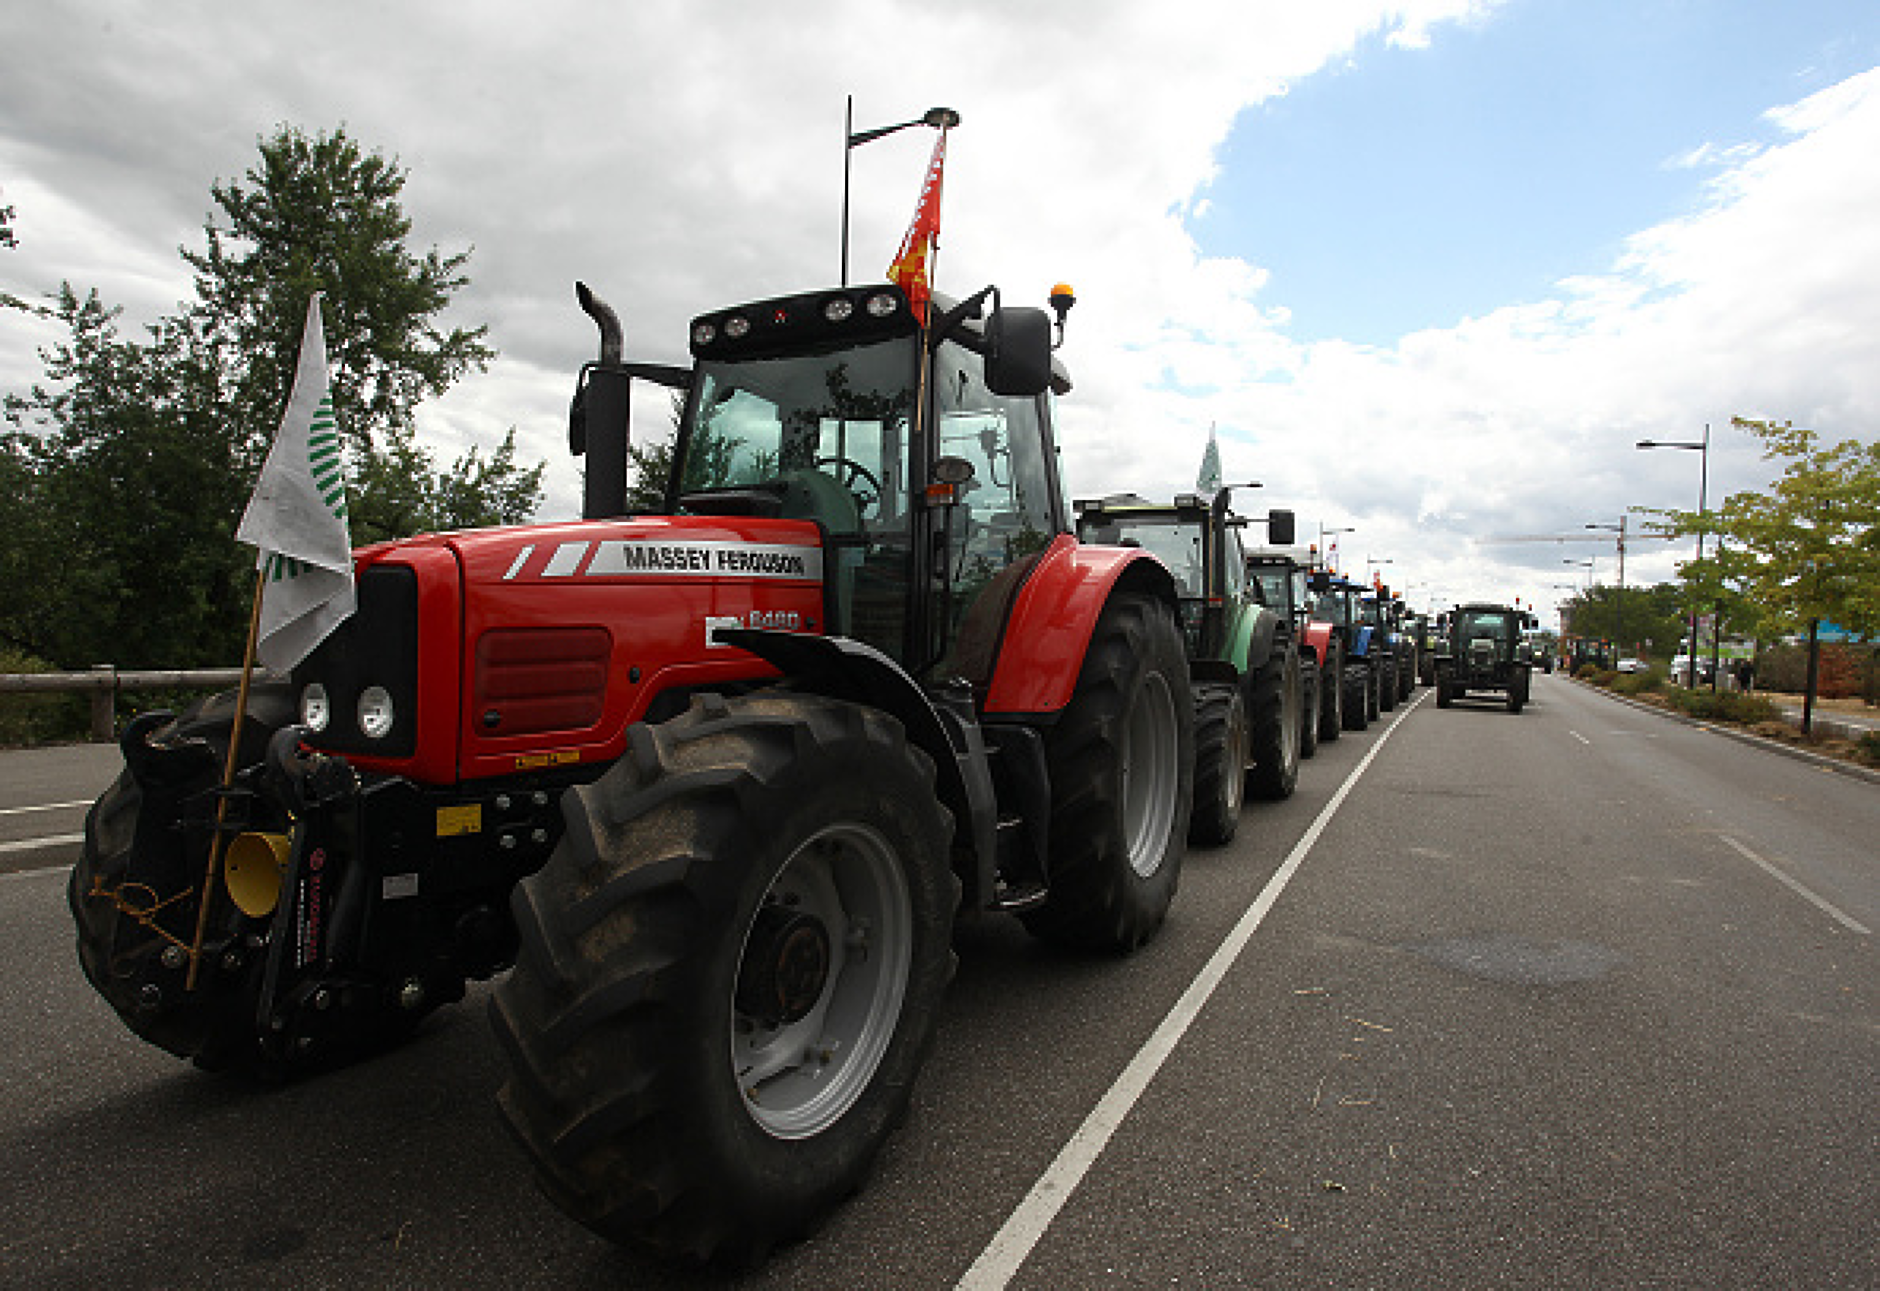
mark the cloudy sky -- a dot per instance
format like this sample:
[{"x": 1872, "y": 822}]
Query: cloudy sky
[{"x": 1430, "y": 267}]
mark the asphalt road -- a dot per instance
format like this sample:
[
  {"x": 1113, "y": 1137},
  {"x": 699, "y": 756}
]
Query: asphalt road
[{"x": 1584, "y": 997}]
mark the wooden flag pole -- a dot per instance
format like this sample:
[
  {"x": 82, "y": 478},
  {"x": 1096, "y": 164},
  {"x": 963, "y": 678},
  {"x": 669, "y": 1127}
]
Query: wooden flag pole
[{"x": 228, "y": 780}]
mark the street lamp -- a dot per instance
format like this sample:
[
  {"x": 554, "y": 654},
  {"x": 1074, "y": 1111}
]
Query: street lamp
[
  {"x": 1618, "y": 613},
  {"x": 938, "y": 118},
  {"x": 1703, "y": 488},
  {"x": 1370, "y": 564},
  {"x": 1587, "y": 565}
]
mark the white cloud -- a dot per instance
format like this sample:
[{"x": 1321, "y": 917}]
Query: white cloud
[{"x": 678, "y": 156}]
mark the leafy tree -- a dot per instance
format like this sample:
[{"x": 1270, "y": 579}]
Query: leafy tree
[
  {"x": 1645, "y": 613},
  {"x": 322, "y": 214},
  {"x": 127, "y": 469},
  {"x": 1807, "y": 549},
  {"x": 126, "y": 489}
]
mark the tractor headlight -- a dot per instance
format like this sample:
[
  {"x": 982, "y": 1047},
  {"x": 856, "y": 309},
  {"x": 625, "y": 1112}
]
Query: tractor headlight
[
  {"x": 316, "y": 710},
  {"x": 737, "y": 327},
  {"x": 882, "y": 304},
  {"x": 838, "y": 309},
  {"x": 375, "y": 712},
  {"x": 704, "y": 333}
]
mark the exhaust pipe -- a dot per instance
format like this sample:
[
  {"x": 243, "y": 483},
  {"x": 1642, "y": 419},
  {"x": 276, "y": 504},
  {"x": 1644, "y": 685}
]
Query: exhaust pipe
[{"x": 598, "y": 418}]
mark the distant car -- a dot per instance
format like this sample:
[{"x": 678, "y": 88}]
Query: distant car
[
  {"x": 1631, "y": 665},
  {"x": 1681, "y": 669}
]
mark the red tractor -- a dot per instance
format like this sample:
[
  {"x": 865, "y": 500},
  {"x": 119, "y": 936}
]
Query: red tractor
[{"x": 714, "y": 781}]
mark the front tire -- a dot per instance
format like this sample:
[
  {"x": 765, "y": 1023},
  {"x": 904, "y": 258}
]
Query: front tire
[
  {"x": 730, "y": 974},
  {"x": 1122, "y": 766},
  {"x": 1275, "y": 712},
  {"x": 1357, "y": 696},
  {"x": 1331, "y": 695},
  {"x": 1222, "y": 742},
  {"x": 1310, "y": 699},
  {"x": 133, "y": 892}
]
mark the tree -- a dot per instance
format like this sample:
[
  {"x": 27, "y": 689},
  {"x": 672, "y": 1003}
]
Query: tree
[
  {"x": 1808, "y": 549},
  {"x": 125, "y": 489},
  {"x": 322, "y": 214},
  {"x": 1646, "y": 613},
  {"x": 128, "y": 468}
]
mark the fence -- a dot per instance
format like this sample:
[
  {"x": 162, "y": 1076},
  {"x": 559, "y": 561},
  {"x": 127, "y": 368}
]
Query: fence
[{"x": 105, "y": 681}]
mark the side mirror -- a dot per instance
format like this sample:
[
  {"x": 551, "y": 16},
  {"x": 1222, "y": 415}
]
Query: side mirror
[
  {"x": 1279, "y": 528},
  {"x": 1320, "y": 581},
  {"x": 1018, "y": 352}
]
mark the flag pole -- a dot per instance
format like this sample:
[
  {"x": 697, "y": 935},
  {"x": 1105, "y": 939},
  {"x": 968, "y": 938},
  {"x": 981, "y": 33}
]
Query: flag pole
[{"x": 229, "y": 763}]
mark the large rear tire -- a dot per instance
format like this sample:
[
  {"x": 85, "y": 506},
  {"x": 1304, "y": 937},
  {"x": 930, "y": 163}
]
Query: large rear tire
[
  {"x": 730, "y": 974},
  {"x": 1122, "y": 766},
  {"x": 1387, "y": 684},
  {"x": 1222, "y": 744},
  {"x": 1274, "y": 708}
]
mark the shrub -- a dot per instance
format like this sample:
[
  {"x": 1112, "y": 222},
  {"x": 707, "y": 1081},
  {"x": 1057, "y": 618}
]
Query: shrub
[
  {"x": 1868, "y": 747},
  {"x": 1648, "y": 682},
  {"x": 1725, "y": 706}
]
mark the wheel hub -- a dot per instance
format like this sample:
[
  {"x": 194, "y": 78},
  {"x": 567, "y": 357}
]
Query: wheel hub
[{"x": 786, "y": 967}]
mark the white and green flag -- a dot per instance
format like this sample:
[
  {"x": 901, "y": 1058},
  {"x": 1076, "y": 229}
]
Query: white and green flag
[
  {"x": 297, "y": 517},
  {"x": 1210, "y": 478}
]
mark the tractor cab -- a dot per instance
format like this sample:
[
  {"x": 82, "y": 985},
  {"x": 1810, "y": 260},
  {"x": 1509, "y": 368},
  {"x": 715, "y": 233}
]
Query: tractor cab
[
  {"x": 922, "y": 455},
  {"x": 1198, "y": 538}
]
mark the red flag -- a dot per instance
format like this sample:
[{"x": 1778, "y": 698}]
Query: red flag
[{"x": 913, "y": 265}]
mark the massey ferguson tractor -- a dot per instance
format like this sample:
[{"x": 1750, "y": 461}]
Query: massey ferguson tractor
[
  {"x": 1249, "y": 692},
  {"x": 714, "y": 781}
]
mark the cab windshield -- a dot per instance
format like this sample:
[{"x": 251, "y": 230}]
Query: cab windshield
[
  {"x": 827, "y": 432},
  {"x": 1178, "y": 544}
]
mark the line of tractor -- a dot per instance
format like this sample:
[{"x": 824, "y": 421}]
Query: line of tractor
[{"x": 706, "y": 785}]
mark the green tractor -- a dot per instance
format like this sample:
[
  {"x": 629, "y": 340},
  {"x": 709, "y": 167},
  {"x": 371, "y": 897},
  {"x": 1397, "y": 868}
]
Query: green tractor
[
  {"x": 1481, "y": 647},
  {"x": 1243, "y": 657}
]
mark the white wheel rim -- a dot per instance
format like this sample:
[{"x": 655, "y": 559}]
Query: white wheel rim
[{"x": 799, "y": 1077}]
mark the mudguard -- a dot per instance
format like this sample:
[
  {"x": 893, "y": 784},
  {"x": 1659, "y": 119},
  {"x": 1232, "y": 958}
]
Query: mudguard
[
  {"x": 1042, "y": 646},
  {"x": 1317, "y": 640}
]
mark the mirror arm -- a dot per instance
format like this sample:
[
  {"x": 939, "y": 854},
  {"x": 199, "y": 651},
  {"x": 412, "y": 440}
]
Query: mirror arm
[{"x": 968, "y": 308}]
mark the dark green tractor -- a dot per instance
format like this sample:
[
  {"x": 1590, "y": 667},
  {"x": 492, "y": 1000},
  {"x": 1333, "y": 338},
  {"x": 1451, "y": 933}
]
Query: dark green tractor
[
  {"x": 1243, "y": 656},
  {"x": 1481, "y": 647}
]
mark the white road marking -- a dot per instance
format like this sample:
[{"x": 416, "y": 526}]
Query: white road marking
[
  {"x": 60, "y": 870},
  {"x": 35, "y": 844},
  {"x": 44, "y": 806},
  {"x": 1576, "y": 735},
  {"x": 1013, "y": 1243},
  {"x": 1821, "y": 904}
]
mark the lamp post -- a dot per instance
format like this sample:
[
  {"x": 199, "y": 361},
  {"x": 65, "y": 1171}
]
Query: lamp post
[
  {"x": 1618, "y": 612},
  {"x": 1703, "y": 489},
  {"x": 1371, "y": 564},
  {"x": 1587, "y": 565},
  {"x": 938, "y": 118}
]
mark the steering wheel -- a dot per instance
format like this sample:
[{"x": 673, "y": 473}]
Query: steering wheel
[{"x": 847, "y": 473}]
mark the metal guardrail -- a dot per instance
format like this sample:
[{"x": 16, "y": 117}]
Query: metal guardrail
[{"x": 105, "y": 681}]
